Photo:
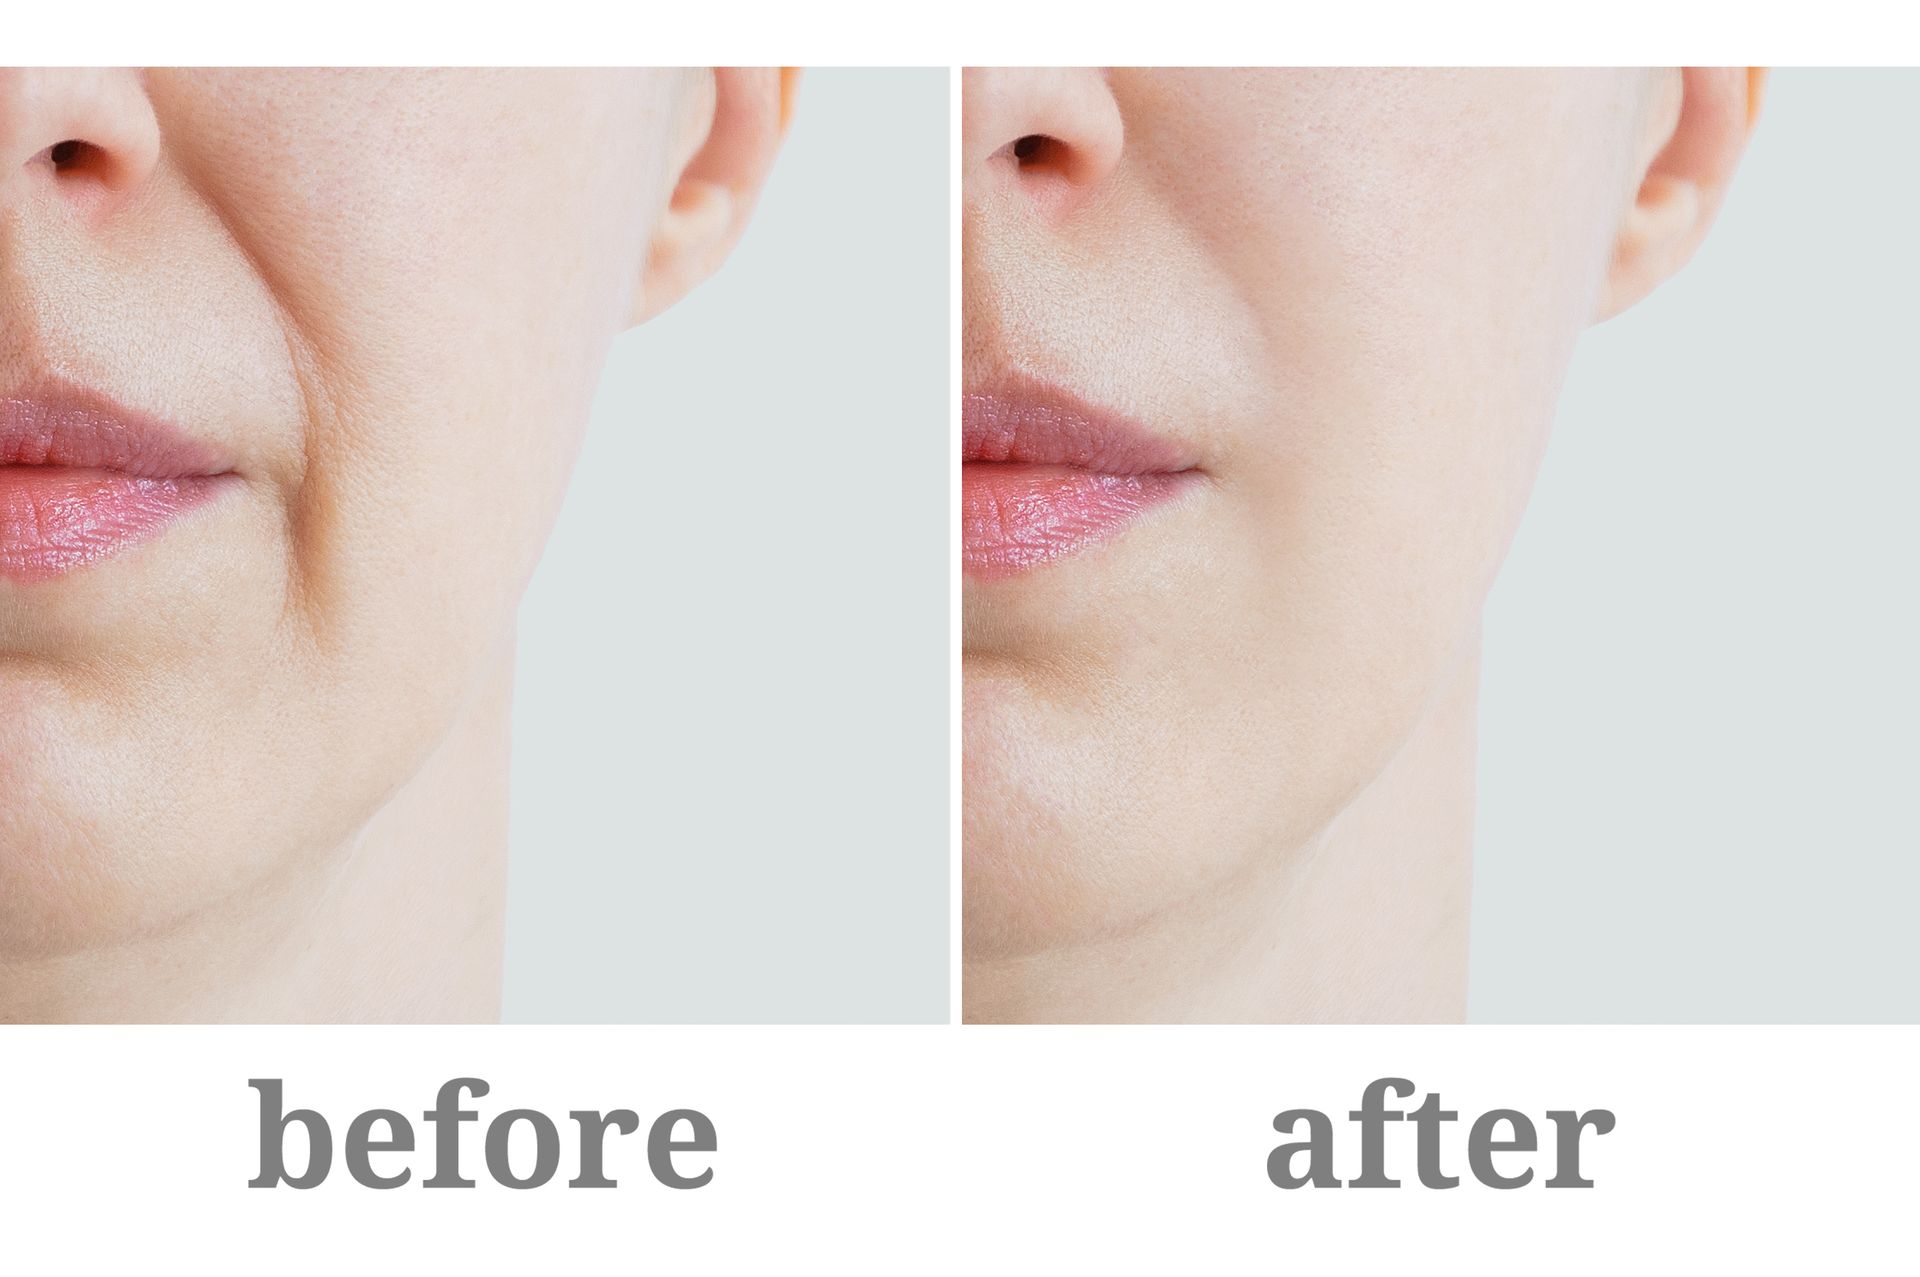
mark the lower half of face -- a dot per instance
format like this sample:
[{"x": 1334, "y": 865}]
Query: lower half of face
[
  {"x": 284, "y": 430},
  {"x": 1329, "y": 312}
]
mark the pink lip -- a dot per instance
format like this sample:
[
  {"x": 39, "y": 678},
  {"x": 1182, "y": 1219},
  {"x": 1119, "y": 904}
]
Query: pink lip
[
  {"x": 82, "y": 478},
  {"x": 1045, "y": 476}
]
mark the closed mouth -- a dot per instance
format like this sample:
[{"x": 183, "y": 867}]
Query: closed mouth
[
  {"x": 1045, "y": 476},
  {"x": 83, "y": 478}
]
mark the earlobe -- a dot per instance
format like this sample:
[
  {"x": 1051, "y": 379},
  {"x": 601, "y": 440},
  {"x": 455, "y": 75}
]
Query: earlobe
[
  {"x": 1696, "y": 139},
  {"x": 732, "y": 131}
]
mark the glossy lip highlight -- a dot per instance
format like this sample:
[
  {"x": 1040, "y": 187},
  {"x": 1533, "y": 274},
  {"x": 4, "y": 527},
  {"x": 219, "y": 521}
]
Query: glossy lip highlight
[
  {"x": 1045, "y": 476},
  {"x": 82, "y": 478}
]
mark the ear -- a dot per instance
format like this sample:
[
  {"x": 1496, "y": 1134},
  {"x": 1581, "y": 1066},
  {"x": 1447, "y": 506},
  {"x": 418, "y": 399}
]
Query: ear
[
  {"x": 1696, "y": 131},
  {"x": 729, "y": 133}
]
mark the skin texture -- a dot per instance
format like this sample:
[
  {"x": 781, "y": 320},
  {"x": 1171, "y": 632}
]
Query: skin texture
[
  {"x": 255, "y": 768},
  {"x": 1221, "y": 767}
]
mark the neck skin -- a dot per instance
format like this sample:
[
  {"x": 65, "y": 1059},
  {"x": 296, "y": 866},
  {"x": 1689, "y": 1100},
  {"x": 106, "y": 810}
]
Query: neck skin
[
  {"x": 402, "y": 925},
  {"x": 1366, "y": 924}
]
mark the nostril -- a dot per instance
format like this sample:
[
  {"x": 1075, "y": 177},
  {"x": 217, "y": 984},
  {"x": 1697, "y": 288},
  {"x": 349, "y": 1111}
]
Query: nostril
[
  {"x": 1037, "y": 150},
  {"x": 73, "y": 155}
]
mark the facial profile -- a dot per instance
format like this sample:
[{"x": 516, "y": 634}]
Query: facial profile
[
  {"x": 293, "y": 368},
  {"x": 1259, "y": 368}
]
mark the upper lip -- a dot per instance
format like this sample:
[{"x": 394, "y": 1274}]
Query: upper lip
[
  {"x": 57, "y": 423},
  {"x": 1023, "y": 422}
]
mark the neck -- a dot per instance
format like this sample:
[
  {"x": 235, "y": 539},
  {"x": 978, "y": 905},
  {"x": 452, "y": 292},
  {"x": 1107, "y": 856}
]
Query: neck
[
  {"x": 403, "y": 923},
  {"x": 1366, "y": 923}
]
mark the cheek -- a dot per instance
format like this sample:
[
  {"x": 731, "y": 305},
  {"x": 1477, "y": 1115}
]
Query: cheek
[
  {"x": 451, "y": 275},
  {"x": 1414, "y": 271},
  {"x": 1433, "y": 247},
  {"x": 394, "y": 304}
]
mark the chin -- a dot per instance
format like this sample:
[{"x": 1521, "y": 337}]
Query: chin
[
  {"x": 1063, "y": 847},
  {"x": 107, "y": 836}
]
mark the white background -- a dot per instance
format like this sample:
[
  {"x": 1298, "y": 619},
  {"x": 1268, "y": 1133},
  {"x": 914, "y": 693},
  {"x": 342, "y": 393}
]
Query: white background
[{"x": 941, "y": 1149}]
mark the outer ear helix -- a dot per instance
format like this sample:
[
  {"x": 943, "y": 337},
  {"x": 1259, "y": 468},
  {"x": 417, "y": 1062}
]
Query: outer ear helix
[
  {"x": 1681, "y": 188},
  {"x": 1756, "y": 90},
  {"x": 789, "y": 89},
  {"x": 715, "y": 186}
]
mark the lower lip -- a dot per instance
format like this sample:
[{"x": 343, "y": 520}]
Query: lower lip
[
  {"x": 55, "y": 520},
  {"x": 1017, "y": 517}
]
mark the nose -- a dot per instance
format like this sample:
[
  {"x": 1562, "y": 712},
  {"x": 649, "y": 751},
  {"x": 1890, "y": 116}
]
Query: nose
[
  {"x": 1043, "y": 134},
  {"x": 88, "y": 136}
]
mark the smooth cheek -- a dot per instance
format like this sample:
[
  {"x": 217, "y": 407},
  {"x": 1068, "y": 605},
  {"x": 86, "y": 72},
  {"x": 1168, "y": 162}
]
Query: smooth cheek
[
  {"x": 1413, "y": 308},
  {"x": 1406, "y": 419}
]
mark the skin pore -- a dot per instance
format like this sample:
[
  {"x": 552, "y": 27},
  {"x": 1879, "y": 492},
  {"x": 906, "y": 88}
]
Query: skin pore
[
  {"x": 1220, "y": 767},
  {"x": 254, "y": 767}
]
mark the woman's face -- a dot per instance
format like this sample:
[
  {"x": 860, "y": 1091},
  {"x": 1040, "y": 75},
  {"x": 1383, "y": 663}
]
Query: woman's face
[
  {"x": 1315, "y": 322},
  {"x": 314, "y": 350}
]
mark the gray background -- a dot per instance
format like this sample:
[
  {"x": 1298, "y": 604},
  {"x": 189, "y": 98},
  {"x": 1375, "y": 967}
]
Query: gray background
[
  {"x": 730, "y": 744},
  {"x": 1698, "y": 756}
]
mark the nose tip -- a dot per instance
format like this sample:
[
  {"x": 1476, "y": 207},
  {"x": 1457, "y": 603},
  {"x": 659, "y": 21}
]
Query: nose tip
[
  {"x": 86, "y": 134},
  {"x": 1041, "y": 131}
]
